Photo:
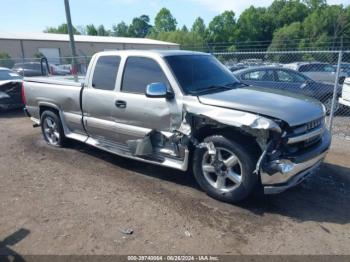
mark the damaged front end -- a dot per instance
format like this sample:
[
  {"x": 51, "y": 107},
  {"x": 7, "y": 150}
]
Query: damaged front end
[
  {"x": 184, "y": 135},
  {"x": 290, "y": 159},
  {"x": 285, "y": 156}
]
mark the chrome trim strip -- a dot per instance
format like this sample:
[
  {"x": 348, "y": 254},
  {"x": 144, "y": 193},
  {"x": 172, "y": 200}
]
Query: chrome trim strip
[
  {"x": 168, "y": 162},
  {"x": 279, "y": 178},
  {"x": 295, "y": 181},
  {"x": 296, "y": 139}
]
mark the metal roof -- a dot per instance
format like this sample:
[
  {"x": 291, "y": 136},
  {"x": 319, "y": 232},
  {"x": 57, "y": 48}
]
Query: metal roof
[{"x": 82, "y": 38}]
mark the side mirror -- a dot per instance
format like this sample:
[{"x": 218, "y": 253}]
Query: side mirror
[{"x": 159, "y": 90}]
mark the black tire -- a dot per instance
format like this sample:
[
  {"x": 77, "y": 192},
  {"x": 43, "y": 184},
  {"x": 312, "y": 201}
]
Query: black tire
[
  {"x": 327, "y": 102},
  {"x": 249, "y": 180},
  {"x": 56, "y": 140}
]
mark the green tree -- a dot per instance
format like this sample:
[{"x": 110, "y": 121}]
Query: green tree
[
  {"x": 187, "y": 40},
  {"x": 81, "y": 29},
  {"x": 198, "y": 26},
  {"x": 164, "y": 21},
  {"x": 61, "y": 29},
  {"x": 121, "y": 29},
  {"x": 287, "y": 37},
  {"x": 140, "y": 26},
  {"x": 285, "y": 12},
  {"x": 315, "y": 4},
  {"x": 222, "y": 29},
  {"x": 101, "y": 31},
  {"x": 184, "y": 28},
  {"x": 328, "y": 24},
  {"x": 255, "y": 24},
  {"x": 91, "y": 30}
]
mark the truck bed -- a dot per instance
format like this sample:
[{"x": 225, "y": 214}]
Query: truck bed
[
  {"x": 60, "y": 93},
  {"x": 57, "y": 80}
]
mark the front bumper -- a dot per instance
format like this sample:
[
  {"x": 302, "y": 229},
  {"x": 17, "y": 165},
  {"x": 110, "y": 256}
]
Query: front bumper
[{"x": 291, "y": 171}]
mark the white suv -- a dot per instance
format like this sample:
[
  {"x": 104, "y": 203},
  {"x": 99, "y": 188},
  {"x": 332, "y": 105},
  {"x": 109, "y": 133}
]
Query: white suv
[
  {"x": 317, "y": 71},
  {"x": 345, "y": 96}
]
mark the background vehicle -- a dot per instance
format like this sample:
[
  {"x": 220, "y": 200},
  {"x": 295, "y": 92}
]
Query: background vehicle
[
  {"x": 57, "y": 70},
  {"x": 345, "y": 97},
  {"x": 10, "y": 89},
  {"x": 236, "y": 67},
  {"x": 345, "y": 67},
  {"x": 288, "y": 80},
  {"x": 29, "y": 69},
  {"x": 160, "y": 106},
  {"x": 322, "y": 72}
]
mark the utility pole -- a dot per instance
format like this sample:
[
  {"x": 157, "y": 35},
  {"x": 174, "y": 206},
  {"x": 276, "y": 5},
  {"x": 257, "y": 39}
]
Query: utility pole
[{"x": 71, "y": 39}]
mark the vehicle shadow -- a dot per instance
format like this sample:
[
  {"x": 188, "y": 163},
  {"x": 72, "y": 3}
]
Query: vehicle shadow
[
  {"x": 6, "y": 253},
  {"x": 12, "y": 113},
  {"x": 324, "y": 197},
  {"x": 163, "y": 173}
]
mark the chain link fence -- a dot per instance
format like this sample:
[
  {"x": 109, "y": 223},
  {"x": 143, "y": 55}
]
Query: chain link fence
[
  {"x": 317, "y": 74},
  {"x": 320, "y": 75}
]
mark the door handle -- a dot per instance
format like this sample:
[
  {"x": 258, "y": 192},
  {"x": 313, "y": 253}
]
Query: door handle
[{"x": 120, "y": 104}]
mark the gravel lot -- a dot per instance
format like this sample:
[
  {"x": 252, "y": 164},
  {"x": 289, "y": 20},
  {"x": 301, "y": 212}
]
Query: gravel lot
[{"x": 77, "y": 200}]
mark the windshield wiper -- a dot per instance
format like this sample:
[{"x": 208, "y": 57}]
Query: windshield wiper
[
  {"x": 214, "y": 88},
  {"x": 235, "y": 84},
  {"x": 211, "y": 88}
]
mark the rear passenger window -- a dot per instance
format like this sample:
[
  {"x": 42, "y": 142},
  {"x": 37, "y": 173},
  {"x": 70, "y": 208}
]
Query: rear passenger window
[
  {"x": 259, "y": 75},
  {"x": 105, "y": 73},
  {"x": 140, "y": 72}
]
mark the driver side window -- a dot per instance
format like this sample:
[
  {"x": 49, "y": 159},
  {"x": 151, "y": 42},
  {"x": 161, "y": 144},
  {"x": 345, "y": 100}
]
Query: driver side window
[{"x": 140, "y": 72}]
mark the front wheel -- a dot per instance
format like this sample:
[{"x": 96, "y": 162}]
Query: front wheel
[
  {"x": 226, "y": 170},
  {"x": 328, "y": 104},
  {"x": 51, "y": 128}
]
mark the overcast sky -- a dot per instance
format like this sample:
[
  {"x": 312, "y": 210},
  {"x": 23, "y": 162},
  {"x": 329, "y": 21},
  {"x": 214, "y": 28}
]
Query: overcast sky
[{"x": 36, "y": 15}]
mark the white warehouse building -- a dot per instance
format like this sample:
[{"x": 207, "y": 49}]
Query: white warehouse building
[{"x": 54, "y": 46}]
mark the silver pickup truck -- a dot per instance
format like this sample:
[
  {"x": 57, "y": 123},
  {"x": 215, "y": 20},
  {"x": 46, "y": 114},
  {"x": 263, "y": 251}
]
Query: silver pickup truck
[{"x": 185, "y": 110}]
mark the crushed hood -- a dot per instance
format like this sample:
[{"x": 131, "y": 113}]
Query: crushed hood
[{"x": 291, "y": 108}]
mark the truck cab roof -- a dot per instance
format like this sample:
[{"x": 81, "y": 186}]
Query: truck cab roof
[{"x": 162, "y": 53}]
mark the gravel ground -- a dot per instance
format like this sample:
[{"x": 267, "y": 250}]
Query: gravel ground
[
  {"x": 78, "y": 200},
  {"x": 341, "y": 127}
]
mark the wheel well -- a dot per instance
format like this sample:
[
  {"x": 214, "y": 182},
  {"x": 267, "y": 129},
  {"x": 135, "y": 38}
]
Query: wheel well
[
  {"x": 325, "y": 97},
  {"x": 48, "y": 108},
  {"x": 245, "y": 139}
]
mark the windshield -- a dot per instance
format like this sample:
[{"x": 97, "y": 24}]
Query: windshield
[
  {"x": 328, "y": 68},
  {"x": 196, "y": 73},
  {"x": 8, "y": 75}
]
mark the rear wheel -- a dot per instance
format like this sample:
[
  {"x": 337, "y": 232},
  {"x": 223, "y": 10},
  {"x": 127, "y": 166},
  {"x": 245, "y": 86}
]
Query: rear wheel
[
  {"x": 51, "y": 128},
  {"x": 228, "y": 174}
]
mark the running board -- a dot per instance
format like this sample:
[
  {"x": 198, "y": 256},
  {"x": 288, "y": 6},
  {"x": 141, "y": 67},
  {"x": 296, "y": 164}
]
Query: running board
[
  {"x": 76, "y": 136},
  {"x": 123, "y": 150}
]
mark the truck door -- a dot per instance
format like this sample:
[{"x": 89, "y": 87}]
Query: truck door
[
  {"x": 98, "y": 98},
  {"x": 134, "y": 113}
]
